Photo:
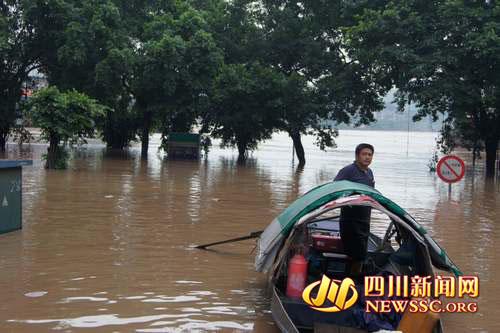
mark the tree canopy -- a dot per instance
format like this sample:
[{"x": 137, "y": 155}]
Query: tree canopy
[
  {"x": 443, "y": 55},
  {"x": 305, "y": 41},
  {"x": 17, "y": 59},
  {"x": 244, "y": 106},
  {"x": 173, "y": 65},
  {"x": 176, "y": 61},
  {"x": 63, "y": 117}
]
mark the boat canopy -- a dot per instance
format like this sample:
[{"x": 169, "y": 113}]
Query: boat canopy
[{"x": 271, "y": 239}]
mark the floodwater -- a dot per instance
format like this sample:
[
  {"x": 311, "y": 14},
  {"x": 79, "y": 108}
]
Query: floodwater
[{"x": 106, "y": 244}]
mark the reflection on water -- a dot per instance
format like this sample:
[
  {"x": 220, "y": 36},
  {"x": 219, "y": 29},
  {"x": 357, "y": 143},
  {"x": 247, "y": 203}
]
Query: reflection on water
[{"x": 106, "y": 243}]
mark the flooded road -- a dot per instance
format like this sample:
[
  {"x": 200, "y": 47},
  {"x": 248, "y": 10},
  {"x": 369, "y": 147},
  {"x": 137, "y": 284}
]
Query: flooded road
[{"x": 106, "y": 244}]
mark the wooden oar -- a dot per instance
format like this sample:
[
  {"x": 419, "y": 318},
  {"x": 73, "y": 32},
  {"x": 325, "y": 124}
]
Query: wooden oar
[{"x": 254, "y": 234}]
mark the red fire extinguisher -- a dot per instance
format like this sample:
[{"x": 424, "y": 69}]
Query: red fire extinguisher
[{"x": 297, "y": 275}]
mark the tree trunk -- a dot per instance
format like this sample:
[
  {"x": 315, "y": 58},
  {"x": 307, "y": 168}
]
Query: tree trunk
[
  {"x": 491, "y": 147},
  {"x": 115, "y": 137},
  {"x": 146, "y": 127},
  {"x": 474, "y": 157},
  {"x": 52, "y": 152},
  {"x": 242, "y": 152},
  {"x": 4, "y": 135},
  {"x": 299, "y": 149},
  {"x": 3, "y": 141}
]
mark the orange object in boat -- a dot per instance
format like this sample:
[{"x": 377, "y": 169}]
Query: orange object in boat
[{"x": 297, "y": 276}]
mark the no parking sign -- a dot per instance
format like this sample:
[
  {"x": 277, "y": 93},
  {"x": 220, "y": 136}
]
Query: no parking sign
[{"x": 451, "y": 169}]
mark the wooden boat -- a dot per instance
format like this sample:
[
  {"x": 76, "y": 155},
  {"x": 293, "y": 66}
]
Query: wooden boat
[{"x": 405, "y": 249}]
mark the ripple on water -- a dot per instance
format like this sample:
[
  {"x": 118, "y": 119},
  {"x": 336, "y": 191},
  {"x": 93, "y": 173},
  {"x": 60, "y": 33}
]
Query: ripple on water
[
  {"x": 171, "y": 299},
  {"x": 83, "y": 298},
  {"x": 200, "y": 326},
  {"x": 36, "y": 294},
  {"x": 187, "y": 282},
  {"x": 98, "y": 320}
]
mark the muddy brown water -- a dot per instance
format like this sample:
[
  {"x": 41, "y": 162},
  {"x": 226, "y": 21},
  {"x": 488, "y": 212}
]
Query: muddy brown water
[{"x": 106, "y": 244}]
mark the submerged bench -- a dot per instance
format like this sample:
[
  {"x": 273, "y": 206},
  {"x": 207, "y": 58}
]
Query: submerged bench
[{"x": 183, "y": 145}]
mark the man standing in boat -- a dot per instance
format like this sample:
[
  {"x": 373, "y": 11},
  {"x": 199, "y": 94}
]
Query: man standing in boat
[{"x": 355, "y": 221}]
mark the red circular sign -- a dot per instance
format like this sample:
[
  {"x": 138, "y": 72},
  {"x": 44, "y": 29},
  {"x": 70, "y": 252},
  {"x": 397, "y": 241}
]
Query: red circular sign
[{"x": 451, "y": 169}]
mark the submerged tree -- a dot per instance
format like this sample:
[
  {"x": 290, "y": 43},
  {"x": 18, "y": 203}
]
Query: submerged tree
[
  {"x": 174, "y": 67},
  {"x": 17, "y": 60},
  {"x": 85, "y": 45},
  {"x": 63, "y": 117},
  {"x": 244, "y": 107},
  {"x": 301, "y": 44},
  {"x": 305, "y": 42},
  {"x": 445, "y": 56}
]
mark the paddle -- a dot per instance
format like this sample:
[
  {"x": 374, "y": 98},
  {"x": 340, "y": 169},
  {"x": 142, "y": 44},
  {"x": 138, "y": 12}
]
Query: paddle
[{"x": 254, "y": 234}]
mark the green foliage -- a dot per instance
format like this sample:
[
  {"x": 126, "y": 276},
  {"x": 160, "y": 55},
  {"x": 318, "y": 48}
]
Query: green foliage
[
  {"x": 119, "y": 127},
  {"x": 174, "y": 68},
  {"x": 150, "y": 62},
  {"x": 305, "y": 42},
  {"x": 69, "y": 116},
  {"x": 302, "y": 45},
  {"x": 74, "y": 39},
  {"x": 238, "y": 29},
  {"x": 432, "y": 165},
  {"x": 17, "y": 59},
  {"x": 300, "y": 67},
  {"x": 445, "y": 56},
  {"x": 245, "y": 106},
  {"x": 446, "y": 141},
  {"x": 63, "y": 116},
  {"x": 85, "y": 45},
  {"x": 58, "y": 159},
  {"x": 22, "y": 135}
]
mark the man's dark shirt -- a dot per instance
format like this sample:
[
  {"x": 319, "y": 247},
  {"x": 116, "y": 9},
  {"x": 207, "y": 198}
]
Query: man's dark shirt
[
  {"x": 353, "y": 173},
  {"x": 355, "y": 221}
]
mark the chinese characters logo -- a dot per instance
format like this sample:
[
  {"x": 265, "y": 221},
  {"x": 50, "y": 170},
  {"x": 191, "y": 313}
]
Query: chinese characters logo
[{"x": 395, "y": 293}]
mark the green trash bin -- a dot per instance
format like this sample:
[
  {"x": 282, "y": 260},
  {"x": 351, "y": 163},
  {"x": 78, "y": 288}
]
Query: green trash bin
[{"x": 11, "y": 194}]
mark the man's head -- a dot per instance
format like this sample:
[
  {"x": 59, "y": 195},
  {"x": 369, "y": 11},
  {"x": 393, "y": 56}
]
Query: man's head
[{"x": 364, "y": 154}]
